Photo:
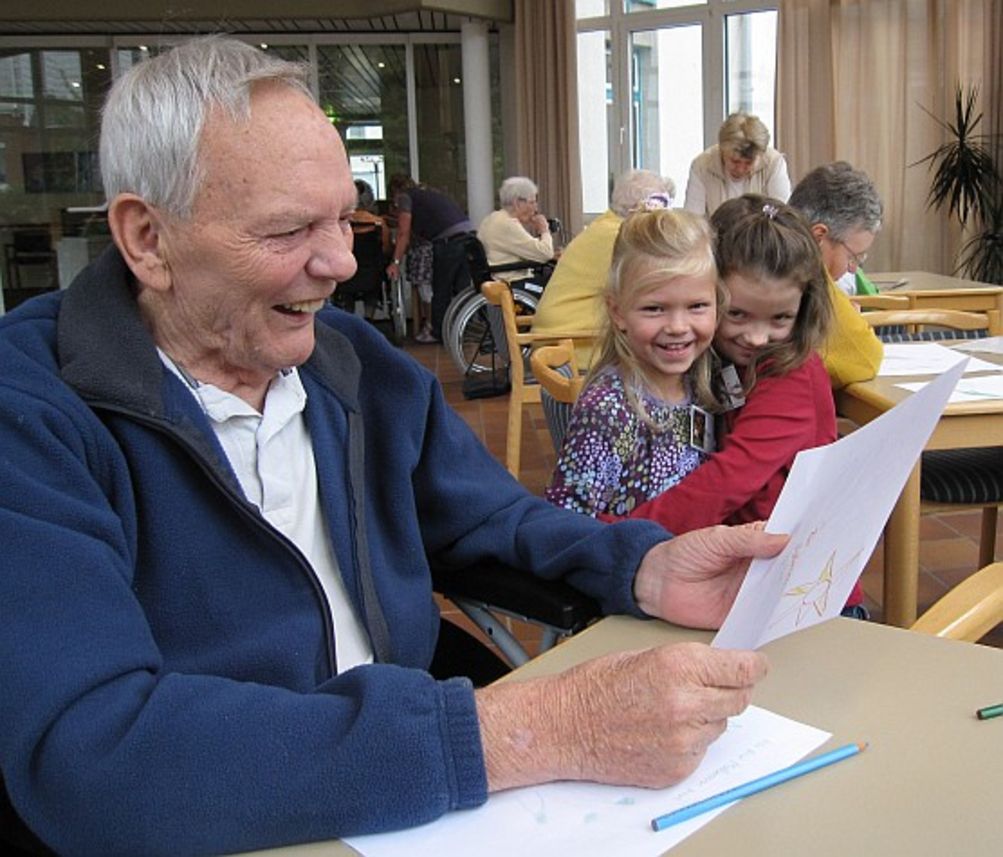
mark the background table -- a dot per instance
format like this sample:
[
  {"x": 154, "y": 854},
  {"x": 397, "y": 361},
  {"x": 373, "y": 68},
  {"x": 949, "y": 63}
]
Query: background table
[
  {"x": 937, "y": 291},
  {"x": 961, "y": 426}
]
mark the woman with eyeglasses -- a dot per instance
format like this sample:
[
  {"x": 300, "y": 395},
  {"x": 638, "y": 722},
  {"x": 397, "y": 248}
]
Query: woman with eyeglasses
[
  {"x": 844, "y": 211},
  {"x": 742, "y": 161}
]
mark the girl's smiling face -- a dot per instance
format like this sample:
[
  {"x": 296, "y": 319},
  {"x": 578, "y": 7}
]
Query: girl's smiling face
[
  {"x": 668, "y": 327},
  {"x": 761, "y": 312}
]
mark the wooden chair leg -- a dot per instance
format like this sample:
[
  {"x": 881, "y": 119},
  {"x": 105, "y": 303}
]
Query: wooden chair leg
[
  {"x": 513, "y": 436},
  {"x": 987, "y": 540}
]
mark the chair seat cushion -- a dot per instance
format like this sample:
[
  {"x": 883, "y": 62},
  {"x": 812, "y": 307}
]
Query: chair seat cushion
[{"x": 972, "y": 476}]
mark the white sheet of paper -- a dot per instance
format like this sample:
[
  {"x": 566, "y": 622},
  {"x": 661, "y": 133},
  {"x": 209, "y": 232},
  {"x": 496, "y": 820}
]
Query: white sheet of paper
[
  {"x": 927, "y": 358},
  {"x": 989, "y": 345},
  {"x": 974, "y": 389},
  {"x": 834, "y": 505},
  {"x": 591, "y": 820}
]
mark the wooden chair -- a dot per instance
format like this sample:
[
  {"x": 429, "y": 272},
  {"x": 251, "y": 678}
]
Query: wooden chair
[
  {"x": 953, "y": 477},
  {"x": 514, "y": 345},
  {"x": 870, "y": 302},
  {"x": 969, "y": 611},
  {"x": 556, "y": 368},
  {"x": 952, "y": 322}
]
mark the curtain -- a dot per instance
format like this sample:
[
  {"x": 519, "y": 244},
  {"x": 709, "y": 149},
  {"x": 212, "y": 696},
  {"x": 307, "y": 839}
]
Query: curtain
[
  {"x": 547, "y": 106},
  {"x": 856, "y": 79}
]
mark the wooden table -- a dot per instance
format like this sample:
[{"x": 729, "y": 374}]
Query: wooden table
[
  {"x": 937, "y": 291},
  {"x": 928, "y": 784},
  {"x": 962, "y": 425}
]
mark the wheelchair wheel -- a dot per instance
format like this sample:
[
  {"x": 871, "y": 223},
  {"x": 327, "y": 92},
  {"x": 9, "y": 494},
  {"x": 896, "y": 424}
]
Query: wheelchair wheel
[
  {"x": 398, "y": 310},
  {"x": 471, "y": 344},
  {"x": 460, "y": 298}
]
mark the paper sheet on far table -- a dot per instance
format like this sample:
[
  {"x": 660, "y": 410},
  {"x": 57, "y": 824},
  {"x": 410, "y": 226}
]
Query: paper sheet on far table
[
  {"x": 974, "y": 389},
  {"x": 927, "y": 358},
  {"x": 591, "y": 820},
  {"x": 834, "y": 505},
  {"x": 989, "y": 345}
]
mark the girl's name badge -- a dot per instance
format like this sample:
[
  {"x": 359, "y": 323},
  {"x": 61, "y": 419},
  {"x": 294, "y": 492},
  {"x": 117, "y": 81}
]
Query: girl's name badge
[
  {"x": 732, "y": 387},
  {"x": 701, "y": 429}
]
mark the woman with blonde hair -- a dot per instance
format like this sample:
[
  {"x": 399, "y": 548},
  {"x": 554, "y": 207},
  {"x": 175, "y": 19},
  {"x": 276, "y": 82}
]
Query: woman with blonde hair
[{"x": 742, "y": 161}]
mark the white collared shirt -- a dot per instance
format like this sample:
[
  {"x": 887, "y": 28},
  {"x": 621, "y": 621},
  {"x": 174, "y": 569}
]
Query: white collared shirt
[{"x": 272, "y": 456}]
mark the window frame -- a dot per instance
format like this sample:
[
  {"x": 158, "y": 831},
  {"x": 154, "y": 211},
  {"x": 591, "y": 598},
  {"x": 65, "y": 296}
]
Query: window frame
[{"x": 712, "y": 16}]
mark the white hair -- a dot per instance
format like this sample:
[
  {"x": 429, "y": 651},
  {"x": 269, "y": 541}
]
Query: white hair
[
  {"x": 515, "y": 188},
  {"x": 154, "y": 115},
  {"x": 634, "y": 186}
]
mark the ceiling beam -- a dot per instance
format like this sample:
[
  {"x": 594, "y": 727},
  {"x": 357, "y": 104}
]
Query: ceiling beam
[{"x": 181, "y": 10}]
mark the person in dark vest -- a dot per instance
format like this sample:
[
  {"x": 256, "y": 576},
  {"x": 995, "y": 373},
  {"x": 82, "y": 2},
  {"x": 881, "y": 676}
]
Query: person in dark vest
[{"x": 431, "y": 215}]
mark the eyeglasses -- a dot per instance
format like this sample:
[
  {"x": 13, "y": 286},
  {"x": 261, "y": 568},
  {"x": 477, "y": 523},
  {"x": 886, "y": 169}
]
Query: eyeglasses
[{"x": 857, "y": 259}]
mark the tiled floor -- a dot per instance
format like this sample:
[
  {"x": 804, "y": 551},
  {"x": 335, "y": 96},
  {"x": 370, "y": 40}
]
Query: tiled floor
[{"x": 948, "y": 541}]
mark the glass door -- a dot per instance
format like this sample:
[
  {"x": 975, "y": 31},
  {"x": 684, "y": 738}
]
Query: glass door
[{"x": 666, "y": 100}]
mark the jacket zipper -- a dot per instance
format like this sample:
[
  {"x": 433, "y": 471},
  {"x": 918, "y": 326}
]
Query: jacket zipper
[{"x": 240, "y": 504}]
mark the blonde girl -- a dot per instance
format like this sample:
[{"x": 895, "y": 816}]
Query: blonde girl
[{"x": 631, "y": 435}]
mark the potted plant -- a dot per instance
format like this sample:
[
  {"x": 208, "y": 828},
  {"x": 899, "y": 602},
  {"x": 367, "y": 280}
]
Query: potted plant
[{"x": 966, "y": 179}]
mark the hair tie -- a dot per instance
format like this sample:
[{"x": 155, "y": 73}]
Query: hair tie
[
  {"x": 656, "y": 201},
  {"x": 771, "y": 211}
]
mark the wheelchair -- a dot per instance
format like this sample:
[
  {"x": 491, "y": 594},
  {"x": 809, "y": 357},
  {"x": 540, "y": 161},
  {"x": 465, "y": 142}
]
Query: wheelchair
[
  {"x": 466, "y": 333},
  {"x": 370, "y": 292}
]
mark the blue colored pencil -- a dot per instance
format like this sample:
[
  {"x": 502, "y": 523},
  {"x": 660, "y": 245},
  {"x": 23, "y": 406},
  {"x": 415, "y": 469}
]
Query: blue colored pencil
[{"x": 757, "y": 785}]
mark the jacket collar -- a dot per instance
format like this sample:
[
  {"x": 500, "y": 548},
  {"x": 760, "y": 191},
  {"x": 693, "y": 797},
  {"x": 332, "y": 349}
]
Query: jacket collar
[{"x": 107, "y": 354}]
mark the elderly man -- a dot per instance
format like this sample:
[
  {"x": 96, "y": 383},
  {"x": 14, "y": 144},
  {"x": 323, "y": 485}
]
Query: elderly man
[
  {"x": 516, "y": 232},
  {"x": 571, "y": 299},
  {"x": 217, "y": 500},
  {"x": 843, "y": 208}
]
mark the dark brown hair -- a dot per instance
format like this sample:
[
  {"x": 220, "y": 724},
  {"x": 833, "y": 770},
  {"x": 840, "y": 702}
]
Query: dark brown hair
[{"x": 759, "y": 237}]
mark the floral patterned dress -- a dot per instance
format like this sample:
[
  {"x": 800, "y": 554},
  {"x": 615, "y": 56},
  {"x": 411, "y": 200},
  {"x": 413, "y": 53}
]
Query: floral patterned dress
[{"x": 611, "y": 459}]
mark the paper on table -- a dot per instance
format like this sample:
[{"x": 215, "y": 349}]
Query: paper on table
[
  {"x": 587, "y": 819},
  {"x": 834, "y": 505},
  {"x": 989, "y": 345},
  {"x": 927, "y": 358},
  {"x": 976, "y": 389}
]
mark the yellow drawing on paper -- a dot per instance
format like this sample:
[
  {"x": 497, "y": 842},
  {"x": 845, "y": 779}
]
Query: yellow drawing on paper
[{"x": 811, "y": 598}]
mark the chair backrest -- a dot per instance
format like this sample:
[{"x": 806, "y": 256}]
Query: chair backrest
[
  {"x": 868, "y": 302},
  {"x": 511, "y": 342},
  {"x": 477, "y": 261},
  {"x": 556, "y": 368},
  {"x": 970, "y": 610},
  {"x": 906, "y": 325}
]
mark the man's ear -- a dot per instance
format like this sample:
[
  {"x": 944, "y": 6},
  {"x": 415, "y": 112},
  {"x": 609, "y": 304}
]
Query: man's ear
[
  {"x": 139, "y": 233},
  {"x": 819, "y": 231}
]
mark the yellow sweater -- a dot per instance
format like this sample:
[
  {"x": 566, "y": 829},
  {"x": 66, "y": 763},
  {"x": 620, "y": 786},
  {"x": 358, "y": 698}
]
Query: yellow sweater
[
  {"x": 852, "y": 352},
  {"x": 571, "y": 300}
]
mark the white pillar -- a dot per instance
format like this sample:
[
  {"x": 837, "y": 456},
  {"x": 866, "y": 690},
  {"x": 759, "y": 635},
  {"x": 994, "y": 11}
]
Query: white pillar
[{"x": 477, "y": 118}]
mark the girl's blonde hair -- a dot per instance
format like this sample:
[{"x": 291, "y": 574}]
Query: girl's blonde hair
[
  {"x": 672, "y": 243},
  {"x": 759, "y": 237}
]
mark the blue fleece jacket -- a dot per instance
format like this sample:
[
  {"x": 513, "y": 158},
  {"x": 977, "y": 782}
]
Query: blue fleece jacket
[{"x": 167, "y": 657}]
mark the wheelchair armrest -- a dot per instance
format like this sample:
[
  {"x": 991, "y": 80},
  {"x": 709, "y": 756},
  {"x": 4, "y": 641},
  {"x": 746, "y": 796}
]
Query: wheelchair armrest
[
  {"x": 511, "y": 590},
  {"x": 513, "y": 266}
]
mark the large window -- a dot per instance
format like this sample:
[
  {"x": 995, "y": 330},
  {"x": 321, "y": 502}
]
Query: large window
[
  {"x": 50, "y": 101},
  {"x": 397, "y": 100},
  {"x": 657, "y": 77}
]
